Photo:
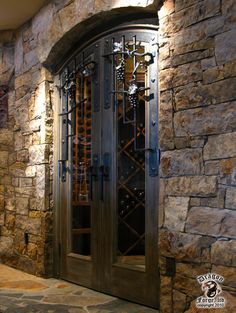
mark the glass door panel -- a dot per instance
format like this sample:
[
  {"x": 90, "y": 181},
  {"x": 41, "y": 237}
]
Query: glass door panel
[
  {"x": 131, "y": 75},
  {"x": 81, "y": 163}
]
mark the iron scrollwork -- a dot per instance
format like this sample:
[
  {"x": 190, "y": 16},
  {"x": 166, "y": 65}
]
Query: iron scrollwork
[
  {"x": 130, "y": 90},
  {"x": 72, "y": 79}
]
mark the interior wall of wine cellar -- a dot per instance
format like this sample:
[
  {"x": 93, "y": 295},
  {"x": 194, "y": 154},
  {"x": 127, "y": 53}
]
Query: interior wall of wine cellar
[{"x": 197, "y": 137}]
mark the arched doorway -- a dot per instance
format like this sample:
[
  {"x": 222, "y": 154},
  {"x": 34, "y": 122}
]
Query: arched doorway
[{"x": 108, "y": 165}]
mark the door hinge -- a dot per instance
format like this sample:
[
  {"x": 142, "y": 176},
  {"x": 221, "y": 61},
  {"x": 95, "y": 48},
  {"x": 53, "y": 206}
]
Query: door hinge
[{"x": 62, "y": 170}]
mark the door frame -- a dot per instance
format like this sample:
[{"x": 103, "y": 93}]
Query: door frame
[{"x": 57, "y": 138}]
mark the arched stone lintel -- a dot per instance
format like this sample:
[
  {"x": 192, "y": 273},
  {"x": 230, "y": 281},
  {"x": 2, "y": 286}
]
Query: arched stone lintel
[{"x": 93, "y": 26}]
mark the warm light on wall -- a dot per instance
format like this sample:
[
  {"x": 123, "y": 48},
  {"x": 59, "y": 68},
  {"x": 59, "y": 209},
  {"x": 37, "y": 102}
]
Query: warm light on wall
[{"x": 140, "y": 3}]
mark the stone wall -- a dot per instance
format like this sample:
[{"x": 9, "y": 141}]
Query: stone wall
[
  {"x": 198, "y": 143},
  {"x": 197, "y": 119},
  {"x": 25, "y": 148}
]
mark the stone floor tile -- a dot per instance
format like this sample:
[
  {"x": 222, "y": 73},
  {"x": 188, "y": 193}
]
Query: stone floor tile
[
  {"x": 22, "y": 285},
  {"x": 120, "y": 306},
  {"x": 29, "y": 297},
  {"x": 10, "y": 294},
  {"x": 38, "y": 295}
]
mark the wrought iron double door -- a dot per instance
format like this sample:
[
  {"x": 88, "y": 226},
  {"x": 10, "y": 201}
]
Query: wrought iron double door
[{"x": 109, "y": 166}]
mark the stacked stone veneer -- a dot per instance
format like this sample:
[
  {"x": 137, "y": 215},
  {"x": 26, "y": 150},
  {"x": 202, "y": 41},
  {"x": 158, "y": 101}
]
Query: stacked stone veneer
[
  {"x": 197, "y": 118},
  {"x": 198, "y": 143},
  {"x": 25, "y": 145}
]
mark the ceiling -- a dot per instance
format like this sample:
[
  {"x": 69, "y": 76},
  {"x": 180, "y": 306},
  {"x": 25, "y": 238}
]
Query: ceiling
[{"x": 13, "y": 13}]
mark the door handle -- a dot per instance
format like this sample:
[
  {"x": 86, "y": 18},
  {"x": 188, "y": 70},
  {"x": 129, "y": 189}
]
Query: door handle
[
  {"x": 102, "y": 182},
  {"x": 104, "y": 173},
  {"x": 93, "y": 175}
]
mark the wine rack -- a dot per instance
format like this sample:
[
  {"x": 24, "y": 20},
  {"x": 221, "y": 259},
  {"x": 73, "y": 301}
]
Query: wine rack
[
  {"x": 130, "y": 99},
  {"x": 81, "y": 146},
  {"x": 131, "y": 184}
]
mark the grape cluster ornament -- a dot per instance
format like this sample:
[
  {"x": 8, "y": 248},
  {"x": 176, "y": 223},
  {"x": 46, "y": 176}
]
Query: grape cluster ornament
[
  {"x": 133, "y": 94},
  {"x": 120, "y": 71}
]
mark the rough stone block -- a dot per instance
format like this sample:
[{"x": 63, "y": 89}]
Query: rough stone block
[
  {"x": 220, "y": 147},
  {"x": 166, "y": 139},
  {"x": 17, "y": 169},
  {"x": 22, "y": 205},
  {"x": 179, "y": 301},
  {"x": 192, "y": 269},
  {"x": 225, "y": 46},
  {"x": 3, "y": 105},
  {"x": 181, "y": 75},
  {"x": 10, "y": 221},
  {"x": 214, "y": 119},
  {"x": 212, "y": 167},
  {"x": 181, "y": 162},
  {"x": 35, "y": 125},
  {"x": 205, "y": 221},
  {"x": 21, "y": 92},
  {"x": 10, "y": 204},
  {"x": 189, "y": 16},
  {"x": 30, "y": 59},
  {"x": 3, "y": 159},
  {"x": 219, "y": 255},
  {"x": 38, "y": 154},
  {"x": 6, "y": 246},
  {"x": 19, "y": 53},
  {"x": 182, "y": 4},
  {"x": 197, "y": 142},
  {"x": 191, "y": 186},
  {"x": 166, "y": 100},
  {"x": 1, "y": 203},
  {"x": 25, "y": 182},
  {"x": 199, "y": 32},
  {"x": 32, "y": 251},
  {"x": 195, "y": 95},
  {"x": 195, "y": 201},
  {"x": 182, "y": 142},
  {"x": 68, "y": 17},
  {"x": 186, "y": 73},
  {"x": 166, "y": 77},
  {"x": 229, "y": 179},
  {"x": 22, "y": 117},
  {"x": 6, "y": 137},
  {"x": 12, "y": 158},
  {"x": 219, "y": 72},
  {"x": 23, "y": 156},
  {"x": 166, "y": 294},
  {"x": 18, "y": 140},
  {"x": 166, "y": 133},
  {"x": 185, "y": 247},
  {"x": 176, "y": 209},
  {"x": 228, "y": 273},
  {"x": 229, "y": 11},
  {"x": 166, "y": 9},
  {"x": 24, "y": 191},
  {"x": 31, "y": 225},
  {"x": 215, "y": 202},
  {"x": 187, "y": 285},
  {"x": 230, "y": 201},
  {"x": 192, "y": 56},
  {"x": 30, "y": 171},
  {"x": 2, "y": 218},
  {"x": 208, "y": 63},
  {"x": 228, "y": 228}
]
